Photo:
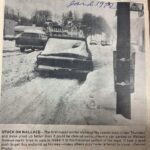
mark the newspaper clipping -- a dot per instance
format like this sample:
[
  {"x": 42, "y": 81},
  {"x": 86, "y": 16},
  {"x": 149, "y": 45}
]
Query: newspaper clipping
[{"x": 74, "y": 75}]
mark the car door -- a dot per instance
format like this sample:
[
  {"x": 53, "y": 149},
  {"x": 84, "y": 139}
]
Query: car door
[
  {"x": 24, "y": 39},
  {"x": 29, "y": 39},
  {"x": 33, "y": 39}
]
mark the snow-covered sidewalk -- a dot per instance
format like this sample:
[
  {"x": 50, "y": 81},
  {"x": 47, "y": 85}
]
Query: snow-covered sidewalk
[{"x": 95, "y": 101}]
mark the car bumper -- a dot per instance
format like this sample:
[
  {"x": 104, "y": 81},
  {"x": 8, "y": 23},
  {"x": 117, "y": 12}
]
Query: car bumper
[
  {"x": 62, "y": 72},
  {"x": 30, "y": 46}
]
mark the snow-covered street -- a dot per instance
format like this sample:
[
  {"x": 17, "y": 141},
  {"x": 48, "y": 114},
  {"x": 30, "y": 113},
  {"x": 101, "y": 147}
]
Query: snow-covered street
[{"x": 29, "y": 98}]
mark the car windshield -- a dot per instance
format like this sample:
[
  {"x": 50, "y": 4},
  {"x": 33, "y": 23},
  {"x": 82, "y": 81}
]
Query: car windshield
[{"x": 57, "y": 46}]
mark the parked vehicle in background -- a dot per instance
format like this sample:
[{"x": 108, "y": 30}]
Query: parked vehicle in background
[
  {"x": 65, "y": 57},
  {"x": 105, "y": 43},
  {"x": 105, "y": 39},
  {"x": 31, "y": 39},
  {"x": 93, "y": 42}
]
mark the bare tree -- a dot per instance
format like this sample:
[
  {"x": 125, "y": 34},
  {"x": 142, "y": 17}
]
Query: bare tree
[
  {"x": 40, "y": 16},
  {"x": 92, "y": 24}
]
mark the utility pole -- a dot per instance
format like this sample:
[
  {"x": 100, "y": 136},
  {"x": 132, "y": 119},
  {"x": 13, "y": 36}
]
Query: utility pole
[{"x": 123, "y": 60}]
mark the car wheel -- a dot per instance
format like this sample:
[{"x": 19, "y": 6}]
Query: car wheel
[{"x": 22, "y": 49}]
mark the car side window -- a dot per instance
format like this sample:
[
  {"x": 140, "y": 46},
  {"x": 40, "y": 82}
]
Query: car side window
[
  {"x": 24, "y": 35},
  {"x": 43, "y": 36},
  {"x": 34, "y": 35},
  {"x": 30, "y": 35}
]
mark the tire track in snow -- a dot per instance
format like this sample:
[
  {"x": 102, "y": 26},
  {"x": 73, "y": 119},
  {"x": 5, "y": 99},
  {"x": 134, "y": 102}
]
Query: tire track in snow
[
  {"x": 44, "y": 104},
  {"x": 27, "y": 112},
  {"x": 60, "y": 114}
]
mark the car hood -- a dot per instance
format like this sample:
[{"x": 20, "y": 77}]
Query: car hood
[{"x": 65, "y": 46}]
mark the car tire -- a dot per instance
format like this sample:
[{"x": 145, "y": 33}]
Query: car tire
[{"x": 22, "y": 49}]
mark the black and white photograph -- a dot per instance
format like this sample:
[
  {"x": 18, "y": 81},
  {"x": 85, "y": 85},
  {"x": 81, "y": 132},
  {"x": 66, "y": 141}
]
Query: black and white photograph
[{"x": 73, "y": 62}]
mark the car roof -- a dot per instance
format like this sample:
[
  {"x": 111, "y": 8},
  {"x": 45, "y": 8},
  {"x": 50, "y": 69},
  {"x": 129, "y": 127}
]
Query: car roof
[
  {"x": 34, "y": 31},
  {"x": 61, "y": 45},
  {"x": 23, "y": 28}
]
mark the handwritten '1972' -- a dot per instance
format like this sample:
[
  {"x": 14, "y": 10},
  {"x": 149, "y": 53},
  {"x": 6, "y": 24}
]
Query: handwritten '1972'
[{"x": 92, "y": 3}]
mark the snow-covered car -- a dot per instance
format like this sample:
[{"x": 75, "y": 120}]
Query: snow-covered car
[
  {"x": 31, "y": 39},
  {"x": 105, "y": 43},
  {"x": 93, "y": 42},
  {"x": 65, "y": 57}
]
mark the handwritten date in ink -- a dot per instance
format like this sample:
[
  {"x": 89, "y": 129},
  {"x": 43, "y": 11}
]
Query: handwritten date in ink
[{"x": 99, "y": 4}]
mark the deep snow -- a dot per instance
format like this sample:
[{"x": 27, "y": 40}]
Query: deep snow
[
  {"x": 18, "y": 67},
  {"x": 28, "y": 98}
]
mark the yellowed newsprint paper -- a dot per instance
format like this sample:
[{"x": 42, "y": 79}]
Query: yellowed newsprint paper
[{"x": 74, "y": 75}]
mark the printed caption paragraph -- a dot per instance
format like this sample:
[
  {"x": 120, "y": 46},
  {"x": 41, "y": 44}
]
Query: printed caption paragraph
[{"x": 13, "y": 139}]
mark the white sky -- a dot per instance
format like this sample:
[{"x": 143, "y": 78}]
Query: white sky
[{"x": 27, "y": 7}]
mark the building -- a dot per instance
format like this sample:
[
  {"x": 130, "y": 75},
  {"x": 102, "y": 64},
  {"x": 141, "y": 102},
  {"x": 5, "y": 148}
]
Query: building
[{"x": 9, "y": 27}]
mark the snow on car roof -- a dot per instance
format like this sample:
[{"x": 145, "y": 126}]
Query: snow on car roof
[
  {"x": 22, "y": 28},
  {"x": 56, "y": 46},
  {"x": 34, "y": 31}
]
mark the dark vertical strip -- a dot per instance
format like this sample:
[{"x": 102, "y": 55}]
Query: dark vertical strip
[{"x": 123, "y": 60}]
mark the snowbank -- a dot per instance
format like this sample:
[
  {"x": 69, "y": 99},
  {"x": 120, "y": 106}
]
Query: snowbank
[
  {"x": 17, "y": 67},
  {"x": 9, "y": 46}
]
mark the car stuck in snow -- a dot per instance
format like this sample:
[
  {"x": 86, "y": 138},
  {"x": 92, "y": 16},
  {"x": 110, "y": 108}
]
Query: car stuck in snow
[{"x": 65, "y": 57}]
